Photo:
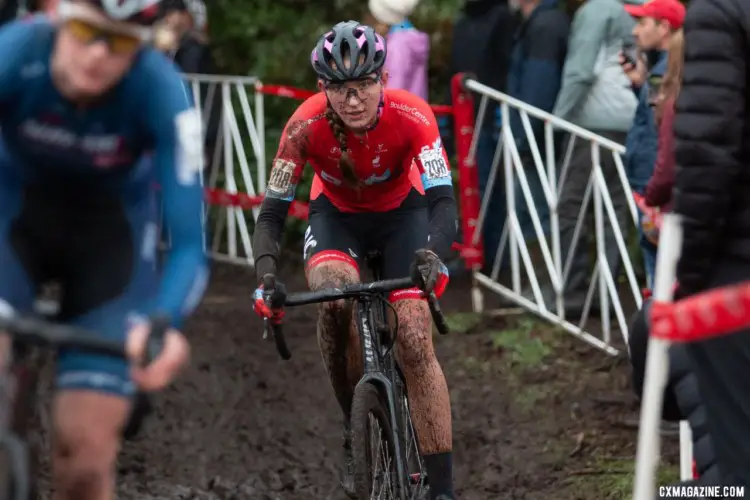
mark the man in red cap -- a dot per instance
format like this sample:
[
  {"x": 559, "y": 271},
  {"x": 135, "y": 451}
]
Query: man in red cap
[{"x": 657, "y": 21}]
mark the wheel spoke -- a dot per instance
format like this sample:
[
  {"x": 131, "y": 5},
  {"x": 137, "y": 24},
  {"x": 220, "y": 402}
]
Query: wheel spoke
[{"x": 382, "y": 475}]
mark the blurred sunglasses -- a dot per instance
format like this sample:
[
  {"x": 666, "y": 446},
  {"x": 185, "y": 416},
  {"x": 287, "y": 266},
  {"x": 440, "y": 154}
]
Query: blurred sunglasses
[{"x": 118, "y": 43}]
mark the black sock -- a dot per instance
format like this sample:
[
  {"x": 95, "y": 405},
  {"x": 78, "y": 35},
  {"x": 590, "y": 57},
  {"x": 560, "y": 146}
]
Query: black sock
[{"x": 439, "y": 474}]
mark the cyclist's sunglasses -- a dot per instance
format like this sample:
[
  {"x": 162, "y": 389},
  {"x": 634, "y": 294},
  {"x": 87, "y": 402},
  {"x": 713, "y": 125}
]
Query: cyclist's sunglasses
[
  {"x": 360, "y": 87},
  {"x": 118, "y": 43}
]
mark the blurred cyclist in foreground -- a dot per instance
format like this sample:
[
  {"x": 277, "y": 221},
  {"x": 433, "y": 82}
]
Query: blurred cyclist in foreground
[
  {"x": 382, "y": 182},
  {"x": 82, "y": 101}
]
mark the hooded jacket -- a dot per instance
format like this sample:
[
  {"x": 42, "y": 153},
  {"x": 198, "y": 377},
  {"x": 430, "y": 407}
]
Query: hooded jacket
[
  {"x": 408, "y": 55},
  {"x": 536, "y": 65}
]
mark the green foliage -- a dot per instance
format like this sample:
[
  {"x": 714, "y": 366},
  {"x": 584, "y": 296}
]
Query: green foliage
[{"x": 272, "y": 39}]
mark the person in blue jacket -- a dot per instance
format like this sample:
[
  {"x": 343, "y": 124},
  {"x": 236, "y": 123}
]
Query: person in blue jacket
[
  {"x": 92, "y": 123},
  {"x": 536, "y": 65}
]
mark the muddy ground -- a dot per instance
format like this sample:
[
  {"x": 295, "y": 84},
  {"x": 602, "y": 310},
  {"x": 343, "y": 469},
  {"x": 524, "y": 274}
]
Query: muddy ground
[{"x": 537, "y": 414}]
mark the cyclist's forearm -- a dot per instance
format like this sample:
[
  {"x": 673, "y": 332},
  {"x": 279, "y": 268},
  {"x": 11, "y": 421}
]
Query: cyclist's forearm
[
  {"x": 184, "y": 281},
  {"x": 443, "y": 219},
  {"x": 267, "y": 237}
]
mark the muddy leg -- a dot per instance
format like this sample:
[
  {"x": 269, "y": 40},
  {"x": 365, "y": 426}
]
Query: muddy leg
[
  {"x": 428, "y": 393},
  {"x": 338, "y": 341}
]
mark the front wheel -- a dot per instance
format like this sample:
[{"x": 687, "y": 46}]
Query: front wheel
[{"x": 376, "y": 476}]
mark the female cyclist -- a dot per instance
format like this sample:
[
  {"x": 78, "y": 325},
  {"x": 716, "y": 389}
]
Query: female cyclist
[
  {"x": 90, "y": 120},
  {"x": 382, "y": 182}
]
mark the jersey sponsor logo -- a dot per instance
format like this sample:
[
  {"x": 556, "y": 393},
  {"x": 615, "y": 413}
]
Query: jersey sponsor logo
[
  {"x": 376, "y": 179},
  {"x": 329, "y": 178},
  {"x": 411, "y": 113},
  {"x": 105, "y": 150},
  {"x": 189, "y": 131},
  {"x": 281, "y": 184}
]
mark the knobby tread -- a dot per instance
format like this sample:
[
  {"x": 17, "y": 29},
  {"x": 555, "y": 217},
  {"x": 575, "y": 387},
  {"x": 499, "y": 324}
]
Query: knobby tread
[{"x": 367, "y": 401}]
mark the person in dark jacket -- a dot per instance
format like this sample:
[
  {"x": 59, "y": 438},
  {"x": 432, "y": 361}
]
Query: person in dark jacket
[
  {"x": 539, "y": 50},
  {"x": 187, "y": 22},
  {"x": 682, "y": 400},
  {"x": 712, "y": 149},
  {"x": 482, "y": 41}
]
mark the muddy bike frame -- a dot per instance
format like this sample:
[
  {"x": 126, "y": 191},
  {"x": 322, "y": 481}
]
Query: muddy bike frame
[
  {"x": 27, "y": 330},
  {"x": 379, "y": 366}
]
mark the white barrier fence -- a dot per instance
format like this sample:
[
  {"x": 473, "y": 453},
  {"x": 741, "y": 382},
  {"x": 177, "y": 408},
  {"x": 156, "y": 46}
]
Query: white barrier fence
[
  {"x": 552, "y": 176},
  {"x": 238, "y": 151}
]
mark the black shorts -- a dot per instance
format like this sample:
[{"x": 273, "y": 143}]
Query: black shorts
[
  {"x": 100, "y": 248},
  {"x": 348, "y": 237}
]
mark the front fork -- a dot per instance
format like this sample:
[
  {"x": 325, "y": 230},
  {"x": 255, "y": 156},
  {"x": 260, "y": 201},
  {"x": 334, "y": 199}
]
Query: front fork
[
  {"x": 13, "y": 452},
  {"x": 374, "y": 373}
]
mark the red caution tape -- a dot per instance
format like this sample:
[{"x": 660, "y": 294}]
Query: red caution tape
[
  {"x": 245, "y": 201},
  {"x": 710, "y": 314}
]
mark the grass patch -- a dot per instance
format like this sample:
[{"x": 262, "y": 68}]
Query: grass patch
[
  {"x": 463, "y": 322},
  {"x": 528, "y": 397},
  {"x": 474, "y": 365},
  {"x": 527, "y": 342},
  {"x": 613, "y": 478}
]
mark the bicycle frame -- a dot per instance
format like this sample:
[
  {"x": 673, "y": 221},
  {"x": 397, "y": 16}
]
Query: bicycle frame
[
  {"x": 379, "y": 369},
  {"x": 35, "y": 331},
  {"x": 379, "y": 364},
  {"x": 16, "y": 454}
]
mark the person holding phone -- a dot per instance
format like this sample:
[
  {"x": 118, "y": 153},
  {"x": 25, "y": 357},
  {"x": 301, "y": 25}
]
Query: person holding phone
[{"x": 658, "y": 21}]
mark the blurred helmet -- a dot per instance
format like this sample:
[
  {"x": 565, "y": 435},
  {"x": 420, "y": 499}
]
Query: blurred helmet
[
  {"x": 347, "y": 52},
  {"x": 142, "y": 12}
]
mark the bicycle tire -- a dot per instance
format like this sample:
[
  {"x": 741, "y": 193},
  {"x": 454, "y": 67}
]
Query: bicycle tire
[{"x": 368, "y": 401}]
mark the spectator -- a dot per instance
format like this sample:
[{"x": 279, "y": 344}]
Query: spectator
[
  {"x": 712, "y": 141},
  {"x": 595, "y": 95},
  {"x": 658, "y": 193},
  {"x": 9, "y": 10},
  {"x": 539, "y": 49},
  {"x": 482, "y": 42},
  {"x": 658, "y": 21},
  {"x": 408, "y": 49},
  {"x": 186, "y": 42}
]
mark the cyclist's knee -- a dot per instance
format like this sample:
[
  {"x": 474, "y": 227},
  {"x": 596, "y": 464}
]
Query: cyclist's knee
[
  {"x": 414, "y": 333},
  {"x": 87, "y": 434},
  {"x": 332, "y": 274}
]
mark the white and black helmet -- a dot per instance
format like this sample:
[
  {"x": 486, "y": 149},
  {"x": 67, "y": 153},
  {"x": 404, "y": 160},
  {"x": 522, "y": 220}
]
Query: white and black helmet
[{"x": 140, "y": 12}]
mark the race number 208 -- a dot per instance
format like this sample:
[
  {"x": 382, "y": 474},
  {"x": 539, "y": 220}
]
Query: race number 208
[{"x": 702, "y": 492}]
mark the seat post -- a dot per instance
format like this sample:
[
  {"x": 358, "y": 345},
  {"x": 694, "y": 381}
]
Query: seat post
[{"x": 374, "y": 262}]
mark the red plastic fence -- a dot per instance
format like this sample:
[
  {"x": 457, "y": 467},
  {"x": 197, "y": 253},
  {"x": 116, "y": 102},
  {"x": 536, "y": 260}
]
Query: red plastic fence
[{"x": 469, "y": 198}]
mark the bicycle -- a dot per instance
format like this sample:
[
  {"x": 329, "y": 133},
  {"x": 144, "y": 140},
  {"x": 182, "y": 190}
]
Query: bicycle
[
  {"x": 380, "y": 393},
  {"x": 15, "y": 483}
]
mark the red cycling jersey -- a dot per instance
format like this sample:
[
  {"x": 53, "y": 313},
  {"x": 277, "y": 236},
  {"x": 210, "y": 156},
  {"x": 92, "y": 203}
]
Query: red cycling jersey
[{"x": 403, "y": 151}]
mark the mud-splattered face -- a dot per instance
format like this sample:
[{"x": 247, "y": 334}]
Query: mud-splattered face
[{"x": 356, "y": 101}]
